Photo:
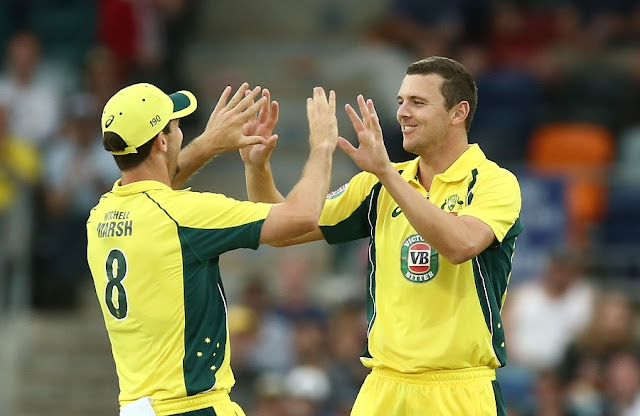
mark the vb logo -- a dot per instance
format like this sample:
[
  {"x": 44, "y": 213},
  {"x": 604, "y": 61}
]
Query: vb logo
[{"x": 418, "y": 260}]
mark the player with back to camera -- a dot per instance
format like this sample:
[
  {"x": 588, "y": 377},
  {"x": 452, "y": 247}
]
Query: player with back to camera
[
  {"x": 153, "y": 251},
  {"x": 441, "y": 230}
]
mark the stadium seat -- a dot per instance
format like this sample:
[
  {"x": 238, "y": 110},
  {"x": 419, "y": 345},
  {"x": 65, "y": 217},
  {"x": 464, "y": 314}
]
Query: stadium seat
[{"x": 581, "y": 153}]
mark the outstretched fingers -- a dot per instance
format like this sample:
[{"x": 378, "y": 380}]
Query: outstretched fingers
[
  {"x": 268, "y": 114},
  {"x": 251, "y": 110},
  {"x": 222, "y": 101},
  {"x": 319, "y": 95},
  {"x": 314, "y": 101},
  {"x": 364, "y": 111},
  {"x": 332, "y": 101},
  {"x": 248, "y": 101},
  {"x": 358, "y": 126},
  {"x": 240, "y": 95},
  {"x": 265, "y": 111},
  {"x": 274, "y": 113},
  {"x": 373, "y": 117}
]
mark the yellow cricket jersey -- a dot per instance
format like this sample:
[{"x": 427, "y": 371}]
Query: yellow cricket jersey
[
  {"x": 153, "y": 254},
  {"x": 425, "y": 313}
]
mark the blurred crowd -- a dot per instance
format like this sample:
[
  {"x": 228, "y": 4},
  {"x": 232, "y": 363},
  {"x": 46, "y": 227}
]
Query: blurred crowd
[{"x": 559, "y": 95}]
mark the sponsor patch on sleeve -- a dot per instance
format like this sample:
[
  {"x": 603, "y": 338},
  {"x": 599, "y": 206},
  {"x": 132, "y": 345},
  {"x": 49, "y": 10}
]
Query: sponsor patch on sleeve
[{"x": 337, "y": 192}]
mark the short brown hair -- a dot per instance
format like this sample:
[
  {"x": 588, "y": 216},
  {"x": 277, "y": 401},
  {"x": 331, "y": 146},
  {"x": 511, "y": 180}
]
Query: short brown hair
[
  {"x": 458, "y": 84},
  {"x": 114, "y": 143}
]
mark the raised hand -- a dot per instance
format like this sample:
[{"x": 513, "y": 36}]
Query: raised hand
[
  {"x": 323, "y": 124},
  {"x": 261, "y": 124},
  {"x": 371, "y": 154},
  {"x": 224, "y": 130}
]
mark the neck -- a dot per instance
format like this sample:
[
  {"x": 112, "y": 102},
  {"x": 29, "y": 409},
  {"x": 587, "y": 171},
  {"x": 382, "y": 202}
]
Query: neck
[
  {"x": 436, "y": 161},
  {"x": 149, "y": 170}
]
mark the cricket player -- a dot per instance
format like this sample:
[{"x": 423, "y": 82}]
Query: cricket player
[
  {"x": 154, "y": 251},
  {"x": 442, "y": 230}
]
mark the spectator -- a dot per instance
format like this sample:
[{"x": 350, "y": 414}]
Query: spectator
[
  {"x": 561, "y": 295},
  {"x": 149, "y": 37},
  {"x": 295, "y": 278},
  {"x": 35, "y": 103},
  {"x": 19, "y": 173},
  {"x": 77, "y": 172},
  {"x": 549, "y": 393},
  {"x": 430, "y": 27},
  {"x": 518, "y": 34},
  {"x": 269, "y": 395},
  {"x": 307, "y": 388},
  {"x": 273, "y": 347},
  {"x": 348, "y": 332},
  {"x": 610, "y": 331},
  {"x": 19, "y": 163},
  {"x": 310, "y": 342},
  {"x": 623, "y": 383},
  {"x": 243, "y": 326},
  {"x": 101, "y": 79}
]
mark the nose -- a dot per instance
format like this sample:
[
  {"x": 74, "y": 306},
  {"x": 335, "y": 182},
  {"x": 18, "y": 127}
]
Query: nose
[{"x": 402, "y": 111}]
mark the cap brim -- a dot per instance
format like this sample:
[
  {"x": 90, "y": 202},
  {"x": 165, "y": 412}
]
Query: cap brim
[{"x": 184, "y": 103}]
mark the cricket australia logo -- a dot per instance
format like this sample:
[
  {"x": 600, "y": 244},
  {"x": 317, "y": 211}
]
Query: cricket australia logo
[
  {"x": 452, "y": 202},
  {"x": 418, "y": 260}
]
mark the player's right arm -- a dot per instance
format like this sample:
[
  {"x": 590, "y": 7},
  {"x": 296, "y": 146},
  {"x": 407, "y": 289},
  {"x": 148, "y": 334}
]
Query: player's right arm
[
  {"x": 298, "y": 214},
  {"x": 223, "y": 132}
]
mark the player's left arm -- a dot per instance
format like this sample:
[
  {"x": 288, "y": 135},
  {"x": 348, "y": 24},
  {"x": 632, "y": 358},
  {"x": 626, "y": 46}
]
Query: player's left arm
[
  {"x": 259, "y": 178},
  {"x": 223, "y": 132}
]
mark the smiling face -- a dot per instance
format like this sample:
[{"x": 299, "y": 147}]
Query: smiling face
[{"x": 422, "y": 114}]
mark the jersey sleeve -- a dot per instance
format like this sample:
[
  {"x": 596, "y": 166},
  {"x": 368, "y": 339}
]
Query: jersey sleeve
[
  {"x": 345, "y": 213},
  {"x": 496, "y": 201},
  {"x": 211, "y": 224}
]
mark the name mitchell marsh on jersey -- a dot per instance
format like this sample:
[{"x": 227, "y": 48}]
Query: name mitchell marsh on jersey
[{"x": 115, "y": 228}]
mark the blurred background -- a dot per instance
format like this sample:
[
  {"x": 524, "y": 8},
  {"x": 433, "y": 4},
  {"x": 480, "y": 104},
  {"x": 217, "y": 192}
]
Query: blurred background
[{"x": 559, "y": 104}]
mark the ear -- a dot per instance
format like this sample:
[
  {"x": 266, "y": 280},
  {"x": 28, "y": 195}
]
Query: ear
[
  {"x": 162, "y": 142},
  {"x": 460, "y": 112}
]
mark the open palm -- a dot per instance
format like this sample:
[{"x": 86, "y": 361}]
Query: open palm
[
  {"x": 261, "y": 125},
  {"x": 371, "y": 154}
]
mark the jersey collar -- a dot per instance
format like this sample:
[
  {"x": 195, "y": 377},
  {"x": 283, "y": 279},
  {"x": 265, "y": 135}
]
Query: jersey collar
[
  {"x": 469, "y": 160},
  {"x": 410, "y": 171},
  {"x": 137, "y": 187}
]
